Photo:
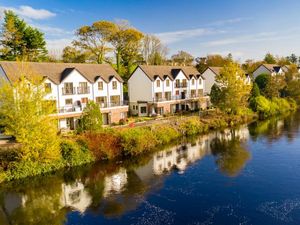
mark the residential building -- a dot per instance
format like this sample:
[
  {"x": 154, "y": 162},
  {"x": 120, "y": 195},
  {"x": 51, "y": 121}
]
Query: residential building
[
  {"x": 272, "y": 69},
  {"x": 72, "y": 85},
  {"x": 210, "y": 78},
  {"x": 165, "y": 89}
]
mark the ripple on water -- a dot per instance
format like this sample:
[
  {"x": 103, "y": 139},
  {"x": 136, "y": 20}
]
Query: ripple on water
[
  {"x": 154, "y": 215},
  {"x": 280, "y": 210}
]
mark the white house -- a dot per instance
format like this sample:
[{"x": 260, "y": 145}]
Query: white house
[
  {"x": 272, "y": 69},
  {"x": 72, "y": 85},
  {"x": 210, "y": 78},
  {"x": 164, "y": 89}
]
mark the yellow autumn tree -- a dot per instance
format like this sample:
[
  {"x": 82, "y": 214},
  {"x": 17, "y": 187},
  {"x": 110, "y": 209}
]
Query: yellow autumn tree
[
  {"x": 231, "y": 91},
  {"x": 26, "y": 115}
]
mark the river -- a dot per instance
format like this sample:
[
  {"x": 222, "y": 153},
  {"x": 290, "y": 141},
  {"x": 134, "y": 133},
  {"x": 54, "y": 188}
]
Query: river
[{"x": 247, "y": 175}]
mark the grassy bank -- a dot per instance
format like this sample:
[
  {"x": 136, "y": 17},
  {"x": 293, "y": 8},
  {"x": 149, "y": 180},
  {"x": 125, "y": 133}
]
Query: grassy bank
[{"x": 112, "y": 144}]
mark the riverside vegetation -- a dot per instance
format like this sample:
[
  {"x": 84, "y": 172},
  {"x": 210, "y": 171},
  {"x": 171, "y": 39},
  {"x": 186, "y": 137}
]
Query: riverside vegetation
[{"x": 25, "y": 115}]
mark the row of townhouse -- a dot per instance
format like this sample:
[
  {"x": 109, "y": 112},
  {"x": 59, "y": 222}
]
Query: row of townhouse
[
  {"x": 71, "y": 86},
  {"x": 153, "y": 90},
  {"x": 272, "y": 69},
  {"x": 158, "y": 90}
]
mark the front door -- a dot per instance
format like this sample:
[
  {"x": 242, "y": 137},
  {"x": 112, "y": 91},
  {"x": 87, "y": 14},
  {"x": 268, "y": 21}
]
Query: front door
[
  {"x": 70, "y": 123},
  {"x": 183, "y": 95}
]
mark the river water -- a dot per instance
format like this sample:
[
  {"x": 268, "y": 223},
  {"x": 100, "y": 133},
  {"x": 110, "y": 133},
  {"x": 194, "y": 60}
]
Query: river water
[{"x": 247, "y": 175}]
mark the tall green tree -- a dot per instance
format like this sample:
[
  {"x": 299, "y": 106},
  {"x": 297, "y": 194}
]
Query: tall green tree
[
  {"x": 91, "y": 119},
  {"x": 26, "y": 115},
  {"x": 21, "y": 41},
  {"x": 274, "y": 86},
  {"x": 234, "y": 91}
]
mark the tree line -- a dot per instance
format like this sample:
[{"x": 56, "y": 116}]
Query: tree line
[{"x": 117, "y": 43}]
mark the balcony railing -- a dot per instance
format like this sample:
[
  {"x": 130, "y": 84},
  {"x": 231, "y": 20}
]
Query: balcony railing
[
  {"x": 68, "y": 91},
  {"x": 83, "y": 90},
  {"x": 181, "y": 85},
  {"x": 177, "y": 97}
]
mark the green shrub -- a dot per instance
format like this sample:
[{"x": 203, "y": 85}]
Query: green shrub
[
  {"x": 137, "y": 140},
  {"x": 165, "y": 133},
  {"x": 192, "y": 126},
  {"x": 75, "y": 153}
]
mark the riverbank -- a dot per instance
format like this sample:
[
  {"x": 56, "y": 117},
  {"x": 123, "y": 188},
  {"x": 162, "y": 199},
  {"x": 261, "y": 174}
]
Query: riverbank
[{"x": 118, "y": 143}]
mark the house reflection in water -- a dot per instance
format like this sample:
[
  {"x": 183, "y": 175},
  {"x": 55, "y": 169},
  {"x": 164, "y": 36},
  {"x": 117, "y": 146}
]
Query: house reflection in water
[
  {"x": 75, "y": 197},
  {"x": 114, "y": 183},
  {"x": 121, "y": 190}
]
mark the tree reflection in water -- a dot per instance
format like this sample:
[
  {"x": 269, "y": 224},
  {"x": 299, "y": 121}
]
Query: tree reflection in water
[
  {"x": 114, "y": 189},
  {"x": 231, "y": 154}
]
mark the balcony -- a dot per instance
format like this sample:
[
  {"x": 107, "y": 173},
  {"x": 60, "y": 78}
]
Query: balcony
[
  {"x": 83, "y": 90},
  {"x": 68, "y": 91},
  {"x": 181, "y": 85},
  {"x": 177, "y": 97}
]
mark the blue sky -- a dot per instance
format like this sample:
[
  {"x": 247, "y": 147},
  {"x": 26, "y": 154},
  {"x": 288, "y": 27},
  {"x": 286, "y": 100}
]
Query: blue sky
[{"x": 247, "y": 29}]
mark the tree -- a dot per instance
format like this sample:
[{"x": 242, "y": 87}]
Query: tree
[
  {"x": 250, "y": 65},
  {"x": 269, "y": 58},
  {"x": 292, "y": 79},
  {"x": 153, "y": 51},
  {"x": 292, "y": 58},
  {"x": 182, "y": 58},
  {"x": 94, "y": 39},
  {"x": 127, "y": 45},
  {"x": 91, "y": 119},
  {"x": 216, "y": 95},
  {"x": 262, "y": 81},
  {"x": 211, "y": 60},
  {"x": 74, "y": 55},
  {"x": 26, "y": 116},
  {"x": 255, "y": 92},
  {"x": 234, "y": 91},
  {"x": 274, "y": 86},
  {"x": 21, "y": 41}
]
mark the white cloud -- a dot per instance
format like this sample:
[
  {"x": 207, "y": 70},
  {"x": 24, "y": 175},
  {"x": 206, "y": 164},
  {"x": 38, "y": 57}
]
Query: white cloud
[
  {"x": 52, "y": 31},
  {"x": 229, "y": 21},
  {"x": 176, "y": 36},
  {"x": 57, "y": 45},
  {"x": 28, "y": 12}
]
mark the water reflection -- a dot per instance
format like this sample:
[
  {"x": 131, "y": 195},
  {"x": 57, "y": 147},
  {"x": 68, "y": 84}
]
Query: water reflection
[{"x": 112, "y": 190}]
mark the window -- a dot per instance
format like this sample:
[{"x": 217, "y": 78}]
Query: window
[
  {"x": 168, "y": 83},
  {"x": 200, "y": 81},
  {"x": 100, "y": 86},
  {"x": 177, "y": 92},
  {"x": 69, "y": 101},
  {"x": 84, "y": 100},
  {"x": 158, "y": 83},
  {"x": 184, "y": 84},
  {"x": 143, "y": 109},
  {"x": 115, "y": 100},
  {"x": 83, "y": 88},
  {"x": 48, "y": 87},
  {"x": 114, "y": 85},
  {"x": 68, "y": 89},
  {"x": 102, "y": 101},
  {"x": 193, "y": 81},
  {"x": 177, "y": 83}
]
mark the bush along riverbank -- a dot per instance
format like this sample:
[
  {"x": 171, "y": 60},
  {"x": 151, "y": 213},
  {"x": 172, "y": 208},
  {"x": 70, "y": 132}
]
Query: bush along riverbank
[{"x": 117, "y": 143}]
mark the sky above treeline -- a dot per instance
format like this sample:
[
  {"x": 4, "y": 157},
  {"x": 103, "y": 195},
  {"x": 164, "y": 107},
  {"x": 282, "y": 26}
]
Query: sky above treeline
[{"x": 247, "y": 29}]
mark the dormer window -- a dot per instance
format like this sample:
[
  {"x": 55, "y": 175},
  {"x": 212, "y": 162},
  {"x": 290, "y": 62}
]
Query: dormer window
[
  {"x": 114, "y": 85},
  {"x": 158, "y": 83},
  {"x": 168, "y": 83}
]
